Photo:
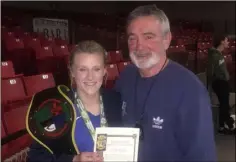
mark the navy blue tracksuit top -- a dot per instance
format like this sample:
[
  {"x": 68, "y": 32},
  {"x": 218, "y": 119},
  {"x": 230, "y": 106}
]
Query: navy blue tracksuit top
[{"x": 177, "y": 118}]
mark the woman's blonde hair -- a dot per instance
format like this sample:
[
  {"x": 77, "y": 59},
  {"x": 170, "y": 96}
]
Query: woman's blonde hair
[{"x": 88, "y": 46}]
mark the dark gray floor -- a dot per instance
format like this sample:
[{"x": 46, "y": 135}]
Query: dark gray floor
[{"x": 225, "y": 147}]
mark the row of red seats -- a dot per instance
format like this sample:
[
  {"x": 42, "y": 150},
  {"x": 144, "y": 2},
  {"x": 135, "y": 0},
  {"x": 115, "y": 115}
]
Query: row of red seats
[
  {"x": 48, "y": 48},
  {"x": 177, "y": 48},
  {"x": 192, "y": 36},
  {"x": 201, "y": 46},
  {"x": 206, "y": 45},
  {"x": 28, "y": 54},
  {"x": 18, "y": 32},
  {"x": 10, "y": 79},
  {"x": 195, "y": 35},
  {"x": 204, "y": 54},
  {"x": 49, "y": 61},
  {"x": 116, "y": 56},
  {"x": 19, "y": 90},
  {"x": 32, "y": 40},
  {"x": 205, "y": 36},
  {"x": 42, "y": 46},
  {"x": 184, "y": 41},
  {"x": 51, "y": 64}
]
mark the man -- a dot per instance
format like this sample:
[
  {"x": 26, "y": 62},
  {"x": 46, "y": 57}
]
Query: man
[
  {"x": 162, "y": 98},
  {"x": 218, "y": 77}
]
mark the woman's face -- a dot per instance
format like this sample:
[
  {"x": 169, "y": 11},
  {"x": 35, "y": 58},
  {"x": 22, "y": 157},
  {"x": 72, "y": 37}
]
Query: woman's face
[{"x": 88, "y": 71}]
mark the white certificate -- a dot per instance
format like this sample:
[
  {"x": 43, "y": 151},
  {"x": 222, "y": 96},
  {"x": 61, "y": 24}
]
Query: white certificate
[{"x": 117, "y": 144}]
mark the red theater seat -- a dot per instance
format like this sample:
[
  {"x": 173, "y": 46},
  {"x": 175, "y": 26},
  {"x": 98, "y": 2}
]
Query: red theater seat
[
  {"x": 180, "y": 48},
  {"x": 51, "y": 64},
  {"x": 7, "y": 69},
  {"x": 23, "y": 60},
  {"x": 33, "y": 43},
  {"x": 44, "y": 51},
  {"x": 204, "y": 45},
  {"x": 36, "y": 83},
  {"x": 122, "y": 65},
  {"x": 7, "y": 35},
  {"x": 18, "y": 31},
  {"x": 112, "y": 72},
  {"x": 47, "y": 41},
  {"x": 114, "y": 56},
  {"x": 60, "y": 42},
  {"x": 112, "y": 75},
  {"x": 71, "y": 47},
  {"x": 16, "y": 148},
  {"x": 4, "y": 29},
  {"x": 15, "y": 119},
  {"x": 61, "y": 50},
  {"x": 173, "y": 49},
  {"x": 25, "y": 36},
  {"x": 14, "y": 43},
  {"x": 12, "y": 90}
]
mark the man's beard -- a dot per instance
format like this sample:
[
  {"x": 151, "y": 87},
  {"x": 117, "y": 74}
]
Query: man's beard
[{"x": 145, "y": 63}]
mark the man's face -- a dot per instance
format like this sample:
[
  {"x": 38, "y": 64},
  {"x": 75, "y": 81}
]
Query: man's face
[
  {"x": 146, "y": 41},
  {"x": 225, "y": 43}
]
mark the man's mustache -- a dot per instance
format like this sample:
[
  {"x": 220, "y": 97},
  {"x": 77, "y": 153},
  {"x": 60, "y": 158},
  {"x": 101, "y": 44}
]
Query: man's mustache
[{"x": 141, "y": 53}]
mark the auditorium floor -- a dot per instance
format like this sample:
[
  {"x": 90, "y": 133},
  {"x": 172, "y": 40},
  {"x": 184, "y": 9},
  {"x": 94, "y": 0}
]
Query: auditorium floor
[{"x": 225, "y": 147}]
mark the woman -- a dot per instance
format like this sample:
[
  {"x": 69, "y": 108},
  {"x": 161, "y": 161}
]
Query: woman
[{"x": 62, "y": 121}]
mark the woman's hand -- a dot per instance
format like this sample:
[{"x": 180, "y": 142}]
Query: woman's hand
[{"x": 88, "y": 157}]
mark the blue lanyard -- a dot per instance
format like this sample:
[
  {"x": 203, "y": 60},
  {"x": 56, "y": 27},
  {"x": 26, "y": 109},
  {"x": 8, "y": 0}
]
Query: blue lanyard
[{"x": 139, "y": 121}]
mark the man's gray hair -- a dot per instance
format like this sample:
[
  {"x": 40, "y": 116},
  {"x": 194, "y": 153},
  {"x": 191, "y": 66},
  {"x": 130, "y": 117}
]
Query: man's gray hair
[{"x": 150, "y": 10}]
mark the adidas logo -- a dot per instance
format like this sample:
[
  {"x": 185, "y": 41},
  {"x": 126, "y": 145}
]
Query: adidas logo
[{"x": 157, "y": 123}]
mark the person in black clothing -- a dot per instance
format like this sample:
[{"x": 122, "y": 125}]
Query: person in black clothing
[{"x": 218, "y": 77}]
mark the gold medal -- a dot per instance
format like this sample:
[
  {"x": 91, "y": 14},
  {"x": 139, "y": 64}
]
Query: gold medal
[{"x": 101, "y": 142}]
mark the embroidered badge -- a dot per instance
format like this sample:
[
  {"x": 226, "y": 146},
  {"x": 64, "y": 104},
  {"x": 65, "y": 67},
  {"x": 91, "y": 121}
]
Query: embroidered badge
[{"x": 52, "y": 118}]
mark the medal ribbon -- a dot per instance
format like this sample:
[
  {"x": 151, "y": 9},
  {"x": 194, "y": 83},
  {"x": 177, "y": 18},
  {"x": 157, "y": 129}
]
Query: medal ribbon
[{"x": 86, "y": 118}]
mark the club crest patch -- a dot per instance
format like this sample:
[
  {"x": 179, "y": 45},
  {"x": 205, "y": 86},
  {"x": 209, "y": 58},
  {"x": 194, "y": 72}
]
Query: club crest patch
[{"x": 52, "y": 117}]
